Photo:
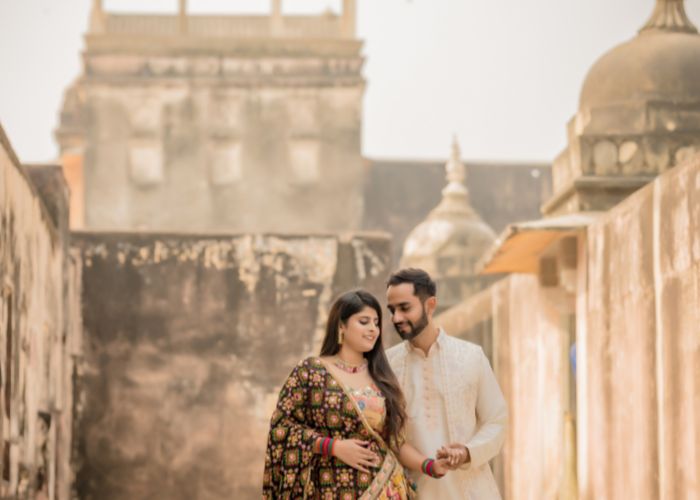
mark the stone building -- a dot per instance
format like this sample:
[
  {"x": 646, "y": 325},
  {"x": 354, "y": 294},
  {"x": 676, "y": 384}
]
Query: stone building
[
  {"x": 247, "y": 123},
  {"x": 211, "y": 123},
  {"x": 40, "y": 331},
  {"x": 638, "y": 115},
  {"x": 594, "y": 334},
  {"x": 450, "y": 241}
]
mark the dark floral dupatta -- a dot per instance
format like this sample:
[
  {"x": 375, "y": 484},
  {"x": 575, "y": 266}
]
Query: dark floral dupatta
[{"x": 313, "y": 404}]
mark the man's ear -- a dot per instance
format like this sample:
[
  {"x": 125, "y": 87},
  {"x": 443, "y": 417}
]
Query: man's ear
[{"x": 430, "y": 306}]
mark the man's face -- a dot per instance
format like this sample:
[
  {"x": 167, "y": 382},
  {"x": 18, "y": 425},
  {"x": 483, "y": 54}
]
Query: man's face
[{"x": 408, "y": 313}]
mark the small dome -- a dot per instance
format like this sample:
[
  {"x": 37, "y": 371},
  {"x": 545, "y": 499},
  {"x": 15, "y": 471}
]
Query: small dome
[
  {"x": 431, "y": 235},
  {"x": 452, "y": 221},
  {"x": 661, "y": 63}
]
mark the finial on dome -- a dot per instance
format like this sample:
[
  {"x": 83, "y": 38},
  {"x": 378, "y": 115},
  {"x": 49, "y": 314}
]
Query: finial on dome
[
  {"x": 455, "y": 195},
  {"x": 669, "y": 15},
  {"x": 455, "y": 168}
]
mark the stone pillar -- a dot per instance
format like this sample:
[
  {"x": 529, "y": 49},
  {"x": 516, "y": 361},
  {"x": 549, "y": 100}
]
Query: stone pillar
[
  {"x": 97, "y": 17},
  {"x": 182, "y": 13},
  {"x": 277, "y": 26},
  {"x": 72, "y": 162},
  {"x": 349, "y": 18}
]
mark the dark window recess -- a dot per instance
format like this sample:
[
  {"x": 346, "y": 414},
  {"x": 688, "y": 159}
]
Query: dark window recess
[
  {"x": 6, "y": 461},
  {"x": 8, "y": 356}
]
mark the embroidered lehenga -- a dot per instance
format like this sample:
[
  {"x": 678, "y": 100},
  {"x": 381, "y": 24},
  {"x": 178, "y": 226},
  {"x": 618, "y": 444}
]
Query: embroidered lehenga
[{"x": 314, "y": 404}]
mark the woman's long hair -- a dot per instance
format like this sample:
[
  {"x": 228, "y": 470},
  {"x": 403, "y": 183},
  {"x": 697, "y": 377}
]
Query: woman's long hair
[{"x": 345, "y": 306}]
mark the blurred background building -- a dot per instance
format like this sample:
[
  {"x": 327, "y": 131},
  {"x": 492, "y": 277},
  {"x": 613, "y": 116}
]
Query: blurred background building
[{"x": 246, "y": 123}]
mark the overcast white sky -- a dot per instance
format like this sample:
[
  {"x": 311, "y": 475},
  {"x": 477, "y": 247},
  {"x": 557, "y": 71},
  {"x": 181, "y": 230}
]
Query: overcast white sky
[{"x": 503, "y": 75}]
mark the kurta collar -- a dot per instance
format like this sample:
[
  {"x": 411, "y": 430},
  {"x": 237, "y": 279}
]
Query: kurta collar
[{"x": 439, "y": 343}]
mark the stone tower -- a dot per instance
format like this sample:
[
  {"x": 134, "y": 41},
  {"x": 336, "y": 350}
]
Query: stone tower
[
  {"x": 450, "y": 241},
  {"x": 216, "y": 123},
  {"x": 639, "y": 115}
]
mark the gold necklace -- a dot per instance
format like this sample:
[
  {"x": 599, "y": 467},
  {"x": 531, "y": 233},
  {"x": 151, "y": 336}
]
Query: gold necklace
[{"x": 349, "y": 367}]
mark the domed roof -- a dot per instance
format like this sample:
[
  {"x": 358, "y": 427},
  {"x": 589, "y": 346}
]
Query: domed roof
[
  {"x": 453, "y": 219},
  {"x": 661, "y": 63},
  {"x": 428, "y": 237}
]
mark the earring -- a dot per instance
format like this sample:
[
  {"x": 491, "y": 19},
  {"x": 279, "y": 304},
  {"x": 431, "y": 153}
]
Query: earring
[{"x": 340, "y": 336}]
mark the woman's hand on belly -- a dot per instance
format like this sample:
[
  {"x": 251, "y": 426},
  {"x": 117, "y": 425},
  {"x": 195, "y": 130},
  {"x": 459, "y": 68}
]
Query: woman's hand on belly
[{"x": 354, "y": 453}]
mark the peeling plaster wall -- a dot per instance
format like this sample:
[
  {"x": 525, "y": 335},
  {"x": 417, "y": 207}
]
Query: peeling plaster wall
[
  {"x": 188, "y": 339},
  {"x": 639, "y": 378},
  {"x": 38, "y": 331},
  {"x": 530, "y": 346}
]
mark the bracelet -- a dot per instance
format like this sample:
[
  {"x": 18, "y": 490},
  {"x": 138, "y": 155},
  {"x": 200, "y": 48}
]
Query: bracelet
[
  {"x": 325, "y": 446},
  {"x": 427, "y": 467}
]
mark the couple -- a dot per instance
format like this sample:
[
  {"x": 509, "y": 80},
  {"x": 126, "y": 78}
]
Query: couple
[{"x": 347, "y": 423}]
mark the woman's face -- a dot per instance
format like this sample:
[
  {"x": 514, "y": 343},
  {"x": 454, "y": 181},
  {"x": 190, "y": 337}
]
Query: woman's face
[{"x": 361, "y": 330}]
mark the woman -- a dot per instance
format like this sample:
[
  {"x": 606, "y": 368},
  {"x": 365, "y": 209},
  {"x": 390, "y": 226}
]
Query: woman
[{"x": 338, "y": 426}]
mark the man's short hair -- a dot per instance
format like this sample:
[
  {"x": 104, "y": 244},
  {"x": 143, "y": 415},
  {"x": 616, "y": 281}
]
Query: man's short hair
[{"x": 423, "y": 285}]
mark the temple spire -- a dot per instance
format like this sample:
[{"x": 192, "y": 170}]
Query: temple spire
[
  {"x": 669, "y": 15},
  {"x": 456, "y": 173},
  {"x": 455, "y": 196}
]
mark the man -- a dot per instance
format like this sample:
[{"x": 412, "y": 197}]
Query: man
[{"x": 451, "y": 393}]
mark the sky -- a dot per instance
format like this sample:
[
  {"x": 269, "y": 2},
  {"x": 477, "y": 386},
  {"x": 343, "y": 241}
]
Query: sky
[{"x": 503, "y": 76}]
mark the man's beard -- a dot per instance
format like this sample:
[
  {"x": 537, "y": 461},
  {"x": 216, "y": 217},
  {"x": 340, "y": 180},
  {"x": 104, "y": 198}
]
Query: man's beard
[{"x": 415, "y": 330}]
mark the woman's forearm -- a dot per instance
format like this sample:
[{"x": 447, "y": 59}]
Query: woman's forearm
[
  {"x": 414, "y": 460},
  {"x": 411, "y": 458}
]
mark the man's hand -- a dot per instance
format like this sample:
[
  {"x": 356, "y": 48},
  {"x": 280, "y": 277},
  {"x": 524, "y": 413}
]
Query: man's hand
[
  {"x": 440, "y": 467},
  {"x": 455, "y": 455}
]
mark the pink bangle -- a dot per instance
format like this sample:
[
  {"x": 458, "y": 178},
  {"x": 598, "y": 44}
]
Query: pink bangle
[
  {"x": 325, "y": 446},
  {"x": 428, "y": 467}
]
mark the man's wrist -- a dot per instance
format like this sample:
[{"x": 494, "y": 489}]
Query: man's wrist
[{"x": 468, "y": 456}]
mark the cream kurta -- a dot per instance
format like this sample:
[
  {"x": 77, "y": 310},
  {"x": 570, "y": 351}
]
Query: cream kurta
[{"x": 452, "y": 397}]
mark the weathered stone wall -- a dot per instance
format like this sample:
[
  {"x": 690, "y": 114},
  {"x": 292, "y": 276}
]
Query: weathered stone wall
[
  {"x": 188, "y": 339},
  {"x": 639, "y": 345},
  {"x": 39, "y": 331},
  {"x": 531, "y": 344}
]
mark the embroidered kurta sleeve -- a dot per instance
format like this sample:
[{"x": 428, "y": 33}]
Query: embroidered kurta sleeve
[
  {"x": 289, "y": 453},
  {"x": 492, "y": 416}
]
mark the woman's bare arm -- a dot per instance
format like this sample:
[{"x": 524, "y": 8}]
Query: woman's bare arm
[{"x": 413, "y": 459}]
